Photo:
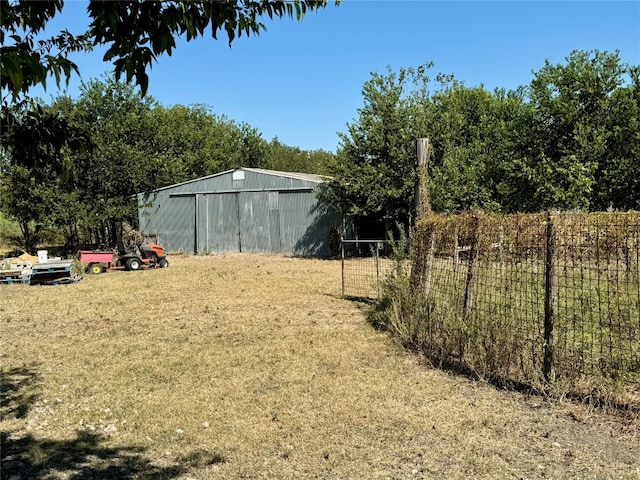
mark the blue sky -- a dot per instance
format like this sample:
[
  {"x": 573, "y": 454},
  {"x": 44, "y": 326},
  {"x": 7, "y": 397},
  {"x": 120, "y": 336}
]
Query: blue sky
[{"x": 302, "y": 81}]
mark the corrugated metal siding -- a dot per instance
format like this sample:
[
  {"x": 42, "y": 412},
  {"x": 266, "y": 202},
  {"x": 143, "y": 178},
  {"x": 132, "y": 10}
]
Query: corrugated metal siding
[
  {"x": 264, "y": 212},
  {"x": 178, "y": 220},
  {"x": 170, "y": 221},
  {"x": 254, "y": 222},
  {"x": 223, "y": 222},
  {"x": 305, "y": 224}
]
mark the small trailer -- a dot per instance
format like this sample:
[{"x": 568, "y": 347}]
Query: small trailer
[
  {"x": 147, "y": 255},
  {"x": 97, "y": 261}
]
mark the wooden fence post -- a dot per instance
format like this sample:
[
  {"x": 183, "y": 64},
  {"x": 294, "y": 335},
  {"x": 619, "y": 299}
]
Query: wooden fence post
[
  {"x": 550, "y": 295},
  {"x": 428, "y": 265}
]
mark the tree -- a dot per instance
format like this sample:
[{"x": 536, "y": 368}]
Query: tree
[
  {"x": 117, "y": 121},
  {"x": 374, "y": 172},
  {"x": 27, "y": 60},
  {"x": 618, "y": 175},
  {"x": 197, "y": 142},
  {"x": 468, "y": 129},
  {"x": 279, "y": 156},
  {"x": 138, "y": 145},
  {"x": 136, "y": 34},
  {"x": 569, "y": 136},
  {"x": 471, "y": 131},
  {"x": 37, "y": 173}
]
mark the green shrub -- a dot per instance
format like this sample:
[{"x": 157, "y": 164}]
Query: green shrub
[{"x": 9, "y": 233}]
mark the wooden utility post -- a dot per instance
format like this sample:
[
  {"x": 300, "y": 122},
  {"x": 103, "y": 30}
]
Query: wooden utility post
[
  {"x": 422, "y": 198},
  {"x": 422, "y": 260}
]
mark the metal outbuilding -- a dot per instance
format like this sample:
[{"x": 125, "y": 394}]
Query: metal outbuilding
[{"x": 241, "y": 210}]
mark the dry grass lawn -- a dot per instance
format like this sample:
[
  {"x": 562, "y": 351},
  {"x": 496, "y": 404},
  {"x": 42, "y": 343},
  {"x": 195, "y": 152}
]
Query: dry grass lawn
[{"x": 252, "y": 366}]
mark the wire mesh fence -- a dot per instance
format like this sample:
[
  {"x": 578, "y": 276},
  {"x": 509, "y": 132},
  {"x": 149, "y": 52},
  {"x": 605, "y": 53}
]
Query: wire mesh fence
[
  {"x": 365, "y": 263},
  {"x": 532, "y": 297}
]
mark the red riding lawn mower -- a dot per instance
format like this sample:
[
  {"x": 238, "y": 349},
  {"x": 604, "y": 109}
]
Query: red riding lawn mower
[{"x": 142, "y": 256}]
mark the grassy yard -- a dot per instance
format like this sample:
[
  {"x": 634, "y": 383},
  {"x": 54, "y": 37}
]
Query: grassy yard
[{"x": 229, "y": 367}]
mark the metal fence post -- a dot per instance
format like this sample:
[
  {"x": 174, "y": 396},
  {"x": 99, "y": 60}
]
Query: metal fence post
[
  {"x": 550, "y": 296},
  {"x": 377, "y": 245},
  {"x": 471, "y": 269},
  {"x": 428, "y": 267},
  {"x": 342, "y": 264}
]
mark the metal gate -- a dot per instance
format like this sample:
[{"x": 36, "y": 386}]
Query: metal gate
[{"x": 365, "y": 263}]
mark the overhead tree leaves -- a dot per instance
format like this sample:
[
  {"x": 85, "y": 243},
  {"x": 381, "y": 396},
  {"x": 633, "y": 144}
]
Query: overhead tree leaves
[{"x": 135, "y": 33}]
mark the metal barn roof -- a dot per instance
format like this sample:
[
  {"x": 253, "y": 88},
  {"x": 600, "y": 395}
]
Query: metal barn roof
[{"x": 308, "y": 177}]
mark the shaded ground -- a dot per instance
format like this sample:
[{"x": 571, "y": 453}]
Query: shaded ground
[
  {"x": 25, "y": 456},
  {"x": 255, "y": 367}
]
